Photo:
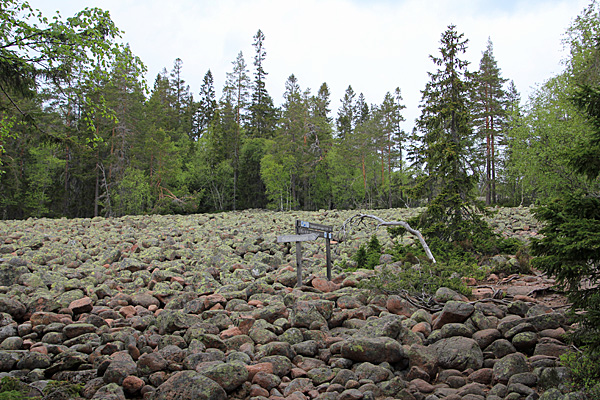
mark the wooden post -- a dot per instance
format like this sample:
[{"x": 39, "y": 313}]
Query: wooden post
[
  {"x": 307, "y": 231},
  {"x": 328, "y": 255},
  {"x": 298, "y": 259},
  {"x": 299, "y": 263}
]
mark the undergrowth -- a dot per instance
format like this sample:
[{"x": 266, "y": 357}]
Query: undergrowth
[
  {"x": 468, "y": 258},
  {"x": 368, "y": 256},
  {"x": 584, "y": 368},
  {"x": 13, "y": 389}
]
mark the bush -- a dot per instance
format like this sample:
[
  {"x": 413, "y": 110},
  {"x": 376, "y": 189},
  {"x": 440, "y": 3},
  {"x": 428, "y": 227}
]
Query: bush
[
  {"x": 12, "y": 389},
  {"x": 368, "y": 257},
  {"x": 585, "y": 372},
  {"x": 419, "y": 279}
]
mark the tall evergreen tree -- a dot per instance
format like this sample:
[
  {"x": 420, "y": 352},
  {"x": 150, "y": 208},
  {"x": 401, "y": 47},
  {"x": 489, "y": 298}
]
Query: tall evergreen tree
[
  {"x": 263, "y": 114},
  {"x": 207, "y": 104},
  {"x": 511, "y": 177},
  {"x": 568, "y": 246},
  {"x": 489, "y": 115},
  {"x": 346, "y": 119},
  {"x": 446, "y": 147},
  {"x": 394, "y": 137},
  {"x": 182, "y": 103},
  {"x": 236, "y": 92}
]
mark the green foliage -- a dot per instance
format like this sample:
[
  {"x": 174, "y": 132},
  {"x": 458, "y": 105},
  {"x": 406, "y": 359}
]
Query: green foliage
[
  {"x": 584, "y": 369},
  {"x": 62, "y": 390},
  {"x": 489, "y": 117},
  {"x": 419, "y": 279},
  {"x": 542, "y": 141},
  {"x": 457, "y": 259},
  {"x": 13, "y": 389},
  {"x": 133, "y": 195},
  {"x": 470, "y": 241},
  {"x": 275, "y": 171},
  {"x": 368, "y": 257},
  {"x": 446, "y": 151},
  {"x": 6, "y": 124},
  {"x": 42, "y": 172},
  {"x": 569, "y": 247}
]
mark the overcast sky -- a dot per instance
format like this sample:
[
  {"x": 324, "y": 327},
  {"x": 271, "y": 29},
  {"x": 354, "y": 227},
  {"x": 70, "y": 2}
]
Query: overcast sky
[{"x": 373, "y": 45}]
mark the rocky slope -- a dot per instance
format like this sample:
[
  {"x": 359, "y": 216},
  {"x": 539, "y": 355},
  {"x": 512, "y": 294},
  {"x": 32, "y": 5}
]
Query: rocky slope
[{"x": 204, "y": 307}]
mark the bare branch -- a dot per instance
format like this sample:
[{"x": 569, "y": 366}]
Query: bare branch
[{"x": 359, "y": 219}]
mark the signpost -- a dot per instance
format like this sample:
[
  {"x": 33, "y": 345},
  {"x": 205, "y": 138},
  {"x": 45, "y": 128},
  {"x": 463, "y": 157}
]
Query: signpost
[{"x": 307, "y": 231}]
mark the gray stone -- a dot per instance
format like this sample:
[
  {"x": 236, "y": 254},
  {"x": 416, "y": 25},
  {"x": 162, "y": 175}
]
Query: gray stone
[
  {"x": 190, "y": 385},
  {"x": 508, "y": 366},
  {"x": 458, "y": 353},
  {"x": 372, "y": 372},
  {"x": 121, "y": 366},
  {"x": 34, "y": 360},
  {"x": 228, "y": 375},
  {"x": 375, "y": 350},
  {"x": 453, "y": 311},
  {"x": 552, "y": 394},
  {"x": 500, "y": 348}
]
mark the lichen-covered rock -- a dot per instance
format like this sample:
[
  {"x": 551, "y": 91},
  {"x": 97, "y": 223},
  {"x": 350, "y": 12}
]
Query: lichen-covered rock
[
  {"x": 169, "y": 321},
  {"x": 12, "y": 306},
  {"x": 34, "y": 360},
  {"x": 458, "y": 353},
  {"x": 388, "y": 326},
  {"x": 228, "y": 375},
  {"x": 151, "y": 362},
  {"x": 508, "y": 366},
  {"x": 445, "y": 294},
  {"x": 321, "y": 375},
  {"x": 190, "y": 385},
  {"x": 305, "y": 314},
  {"x": 372, "y": 372},
  {"x": 121, "y": 366},
  {"x": 152, "y": 304},
  {"x": 374, "y": 350}
]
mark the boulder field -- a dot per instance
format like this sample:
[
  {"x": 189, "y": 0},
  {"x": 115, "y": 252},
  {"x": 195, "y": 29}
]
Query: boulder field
[{"x": 205, "y": 307}]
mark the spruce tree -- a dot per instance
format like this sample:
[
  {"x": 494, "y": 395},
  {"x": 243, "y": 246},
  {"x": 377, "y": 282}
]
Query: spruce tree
[
  {"x": 263, "y": 115},
  {"x": 569, "y": 244},
  {"x": 446, "y": 147},
  {"x": 207, "y": 105},
  {"x": 346, "y": 114}
]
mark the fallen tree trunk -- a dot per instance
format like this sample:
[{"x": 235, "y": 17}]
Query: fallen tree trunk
[{"x": 358, "y": 218}]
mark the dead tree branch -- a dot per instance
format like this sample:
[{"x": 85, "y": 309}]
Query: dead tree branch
[{"x": 359, "y": 218}]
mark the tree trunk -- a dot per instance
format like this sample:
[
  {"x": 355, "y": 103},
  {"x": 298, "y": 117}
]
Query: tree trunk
[{"x": 493, "y": 197}]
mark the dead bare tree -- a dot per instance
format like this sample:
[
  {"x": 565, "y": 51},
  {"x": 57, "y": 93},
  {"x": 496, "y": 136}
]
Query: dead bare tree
[{"x": 359, "y": 218}]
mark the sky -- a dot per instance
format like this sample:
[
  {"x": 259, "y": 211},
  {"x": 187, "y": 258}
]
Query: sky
[{"x": 373, "y": 45}]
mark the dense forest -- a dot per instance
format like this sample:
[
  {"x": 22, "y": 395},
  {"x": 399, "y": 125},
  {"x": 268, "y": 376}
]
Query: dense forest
[{"x": 82, "y": 134}]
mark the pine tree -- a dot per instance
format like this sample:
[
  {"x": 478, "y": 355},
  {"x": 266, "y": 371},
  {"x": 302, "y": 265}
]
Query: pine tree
[
  {"x": 394, "y": 136},
  {"x": 236, "y": 92},
  {"x": 446, "y": 147},
  {"x": 489, "y": 115}
]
